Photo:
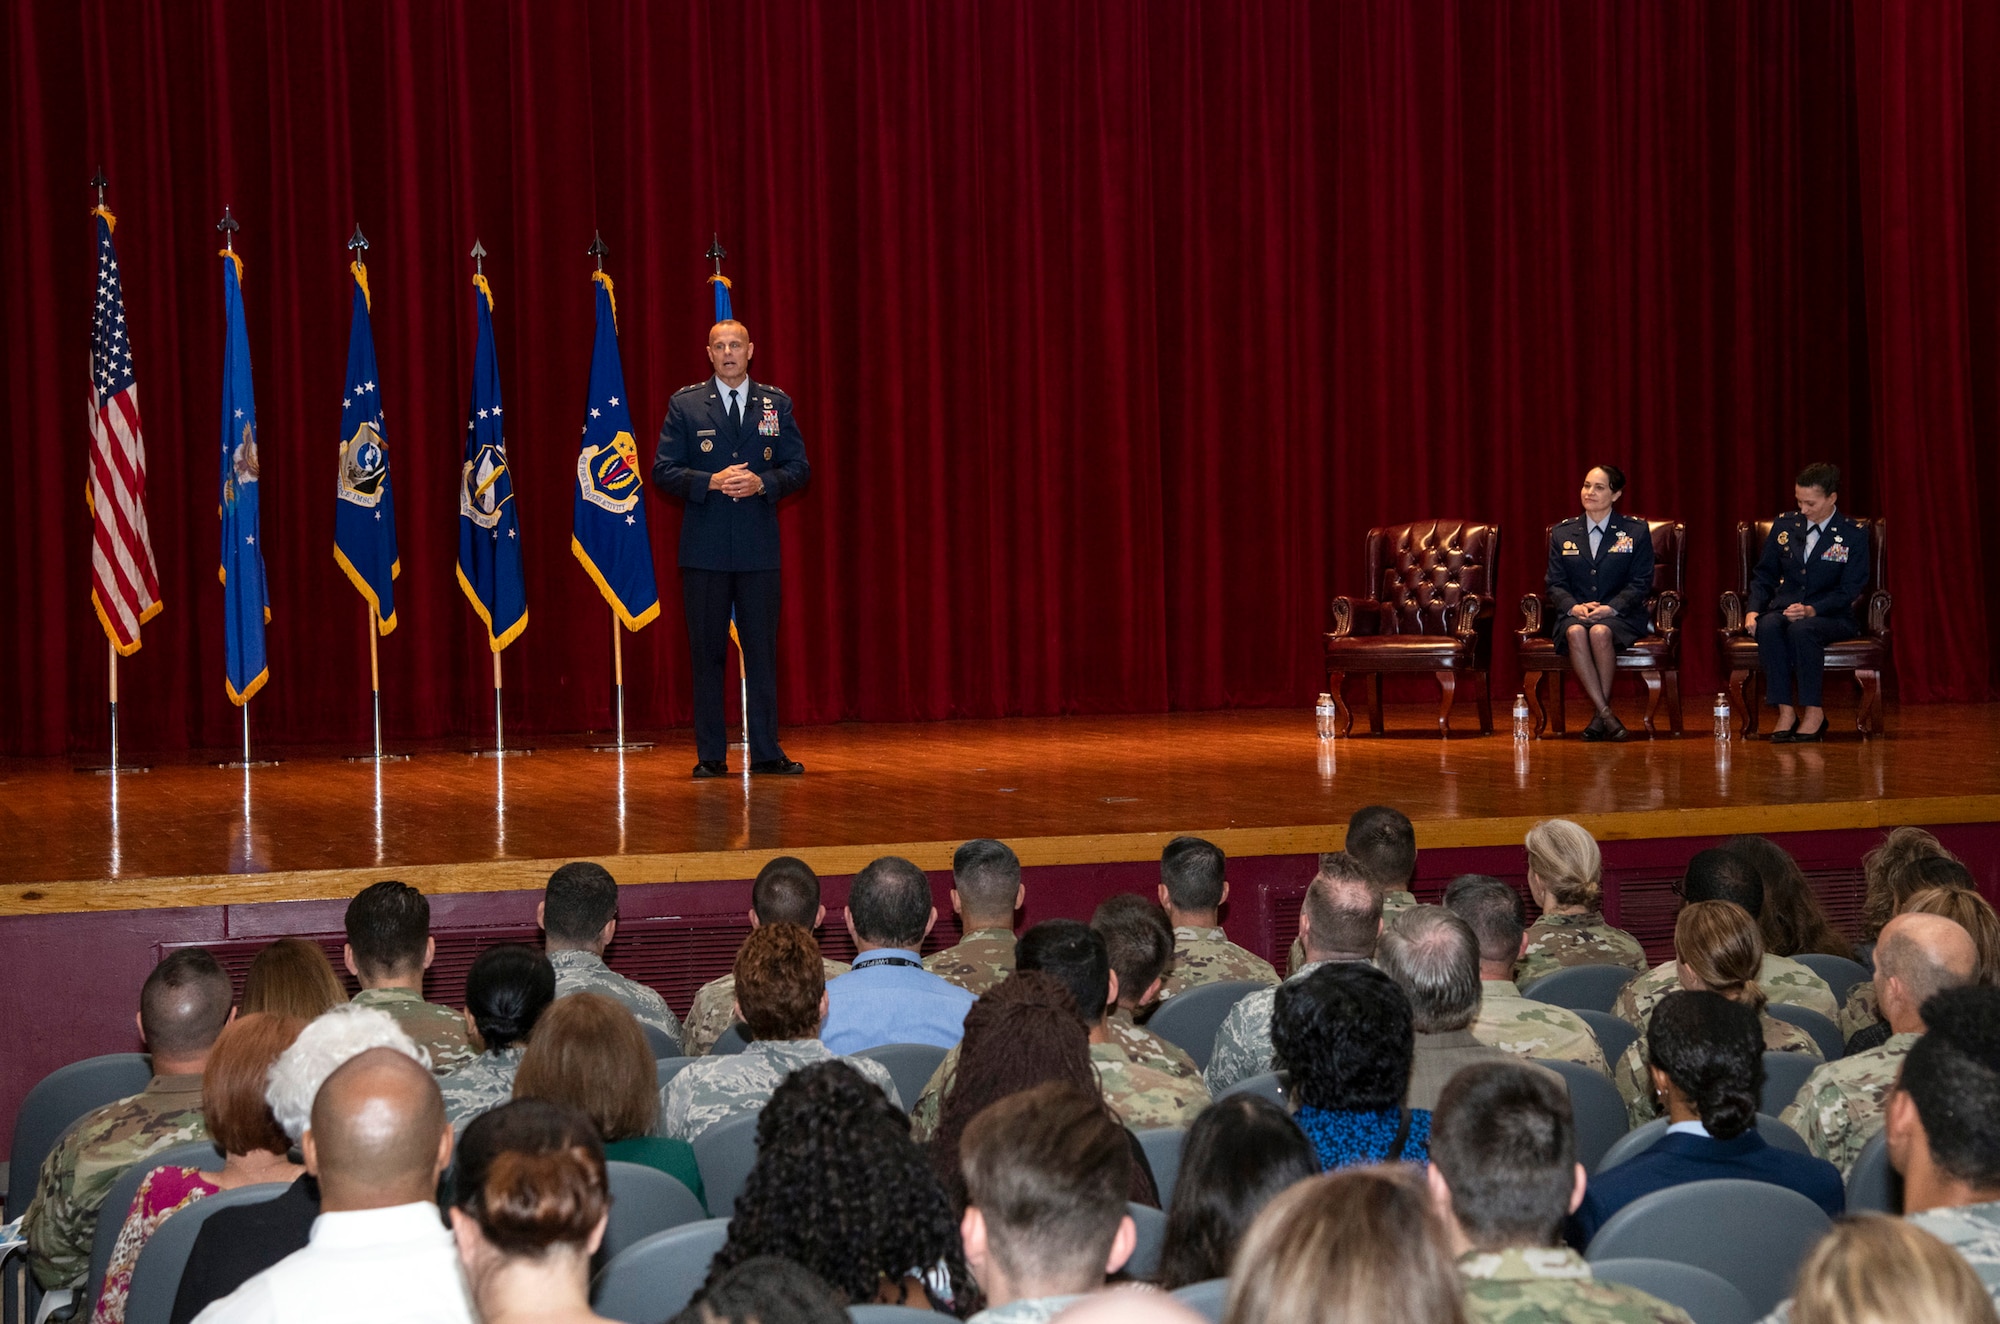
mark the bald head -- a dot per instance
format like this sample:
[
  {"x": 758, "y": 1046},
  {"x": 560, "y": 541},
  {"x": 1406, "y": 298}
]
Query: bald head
[
  {"x": 378, "y": 1135},
  {"x": 1917, "y": 957}
]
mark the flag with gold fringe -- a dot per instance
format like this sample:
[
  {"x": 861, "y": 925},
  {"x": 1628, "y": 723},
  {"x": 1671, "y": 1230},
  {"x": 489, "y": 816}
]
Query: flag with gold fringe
[
  {"x": 364, "y": 520},
  {"x": 246, "y": 600},
  {"x": 489, "y": 526},
  {"x": 609, "y": 534}
]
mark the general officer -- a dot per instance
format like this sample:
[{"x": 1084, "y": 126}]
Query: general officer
[
  {"x": 1600, "y": 575},
  {"x": 1802, "y": 593},
  {"x": 731, "y": 452}
]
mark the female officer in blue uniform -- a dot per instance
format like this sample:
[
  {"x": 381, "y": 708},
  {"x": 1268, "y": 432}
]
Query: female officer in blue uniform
[
  {"x": 1600, "y": 575},
  {"x": 1802, "y": 593}
]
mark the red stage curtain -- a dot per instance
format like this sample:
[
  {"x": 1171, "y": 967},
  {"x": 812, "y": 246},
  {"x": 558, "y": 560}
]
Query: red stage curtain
[{"x": 1110, "y": 326}]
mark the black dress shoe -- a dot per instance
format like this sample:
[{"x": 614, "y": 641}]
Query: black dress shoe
[
  {"x": 1614, "y": 730},
  {"x": 778, "y": 768},
  {"x": 1595, "y": 731},
  {"x": 708, "y": 768},
  {"x": 1784, "y": 737},
  {"x": 1812, "y": 737}
]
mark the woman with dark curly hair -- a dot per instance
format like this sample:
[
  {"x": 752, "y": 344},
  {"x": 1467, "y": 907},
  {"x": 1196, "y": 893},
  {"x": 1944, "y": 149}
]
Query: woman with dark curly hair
[
  {"x": 1705, "y": 1057},
  {"x": 840, "y": 1188},
  {"x": 1792, "y": 920},
  {"x": 1889, "y": 875},
  {"x": 1023, "y": 1032},
  {"x": 1240, "y": 1153}
]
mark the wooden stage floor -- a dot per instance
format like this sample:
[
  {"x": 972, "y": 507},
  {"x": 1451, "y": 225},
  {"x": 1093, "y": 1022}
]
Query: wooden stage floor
[{"x": 1077, "y": 790}]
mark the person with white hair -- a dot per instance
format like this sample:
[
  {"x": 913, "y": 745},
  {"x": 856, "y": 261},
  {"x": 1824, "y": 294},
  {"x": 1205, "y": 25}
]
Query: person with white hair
[{"x": 236, "y": 1244}]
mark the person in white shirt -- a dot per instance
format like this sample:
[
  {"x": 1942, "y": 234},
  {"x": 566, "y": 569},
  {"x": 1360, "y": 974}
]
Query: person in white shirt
[{"x": 377, "y": 1144}]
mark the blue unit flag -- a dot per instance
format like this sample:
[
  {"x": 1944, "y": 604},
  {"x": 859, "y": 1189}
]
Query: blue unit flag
[
  {"x": 246, "y": 601},
  {"x": 489, "y": 526},
  {"x": 609, "y": 536},
  {"x": 364, "y": 519}
]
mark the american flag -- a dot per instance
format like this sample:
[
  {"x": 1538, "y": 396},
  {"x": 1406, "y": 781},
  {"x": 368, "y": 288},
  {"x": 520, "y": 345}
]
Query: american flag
[{"x": 124, "y": 583}]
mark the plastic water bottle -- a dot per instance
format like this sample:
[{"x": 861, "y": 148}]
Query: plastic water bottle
[
  {"x": 1722, "y": 718},
  {"x": 1323, "y": 716},
  {"x": 1523, "y": 731}
]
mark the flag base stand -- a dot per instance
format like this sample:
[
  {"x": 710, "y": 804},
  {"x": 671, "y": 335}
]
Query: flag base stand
[
  {"x": 500, "y": 753},
  {"x": 621, "y": 747},
  {"x": 115, "y": 769},
  {"x": 378, "y": 758},
  {"x": 249, "y": 763}
]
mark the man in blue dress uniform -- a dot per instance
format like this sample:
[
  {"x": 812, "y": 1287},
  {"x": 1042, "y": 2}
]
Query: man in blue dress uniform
[
  {"x": 1802, "y": 593},
  {"x": 1600, "y": 575},
  {"x": 731, "y": 452}
]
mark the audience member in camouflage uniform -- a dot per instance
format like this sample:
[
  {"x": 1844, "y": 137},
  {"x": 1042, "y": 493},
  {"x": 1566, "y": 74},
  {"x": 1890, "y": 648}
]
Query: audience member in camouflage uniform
[
  {"x": 1841, "y": 1104},
  {"x": 1341, "y": 920},
  {"x": 1503, "y": 1175},
  {"x": 786, "y": 892},
  {"x": 1861, "y": 1010},
  {"x": 1566, "y": 879},
  {"x": 1861, "y": 1023},
  {"x": 986, "y": 890},
  {"x": 1192, "y": 888},
  {"x": 1049, "y": 1148},
  {"x": 1943, "y": 1122},
  {"x": 389, "y": 947},
  {"x": 1384, "y": 842},
  {"x": 1139, "y": 940},
  {"x": 182, "y": 1008},
  {"x": 781, "y": 990},
  {"x": 1506, "y": 1019},
  {"x": 506, "y": 992},
  {"x": 579, "y": 918}
]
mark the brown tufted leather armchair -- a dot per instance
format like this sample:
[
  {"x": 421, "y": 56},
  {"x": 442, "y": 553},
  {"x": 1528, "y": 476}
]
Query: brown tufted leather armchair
[
  {"x": 1866, "y": 655},
  {"x": 1432, "y": 611},
  {"x": 1657, "y": 657}
]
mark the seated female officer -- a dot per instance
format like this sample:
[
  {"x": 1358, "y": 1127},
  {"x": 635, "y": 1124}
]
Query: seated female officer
[
  {"x": 1802, "y": 593},
  {"x": 1600, "y": 575}
]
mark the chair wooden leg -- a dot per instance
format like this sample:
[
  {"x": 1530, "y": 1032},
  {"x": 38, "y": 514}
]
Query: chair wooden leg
[
  {"x": 1744, "y": 691},
  {"x": 1447, "y": 693},
  {"x": 1531, "y": 690},
  {"x": 1483, "y": 680},
  {"x": 1869, "y": 720},
  {"x": 1558, "y": 706},
  {"x": 1375, "y": 703},
  {"x": 1672, "y": 678},
  {"x": 1343, "y": 716},
  {"x": 1652, "y": 679}
]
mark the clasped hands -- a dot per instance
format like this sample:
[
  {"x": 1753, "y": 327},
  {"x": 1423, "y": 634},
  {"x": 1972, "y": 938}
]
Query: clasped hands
[
  {"x": 1592, "y": 611},
  {"x": 1798, "y": 611},
  {"x": 736, "y": 481}
]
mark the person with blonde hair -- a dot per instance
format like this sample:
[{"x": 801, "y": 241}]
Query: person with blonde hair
[
  {"x": 1358, "y": 1246},
  {"x": 1566, "y": 878},
  {"x": 292, "y": 977},
  {"x": 1717, "y": 948},
  {"x": 1888, "y": 878},
  {"x": 1876, "y": 1269}
]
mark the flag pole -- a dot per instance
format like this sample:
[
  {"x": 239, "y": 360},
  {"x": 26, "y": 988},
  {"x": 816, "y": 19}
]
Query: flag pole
[
  {"x": 113, "y": 769},
  {"x": 499, "y": 717},
  {"x": 374, "y": 677}
]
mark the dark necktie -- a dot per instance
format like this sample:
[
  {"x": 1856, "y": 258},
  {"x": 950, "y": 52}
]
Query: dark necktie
[
  {"x": 1812, "y": 539},
  {"x": 735, "y": 412}
]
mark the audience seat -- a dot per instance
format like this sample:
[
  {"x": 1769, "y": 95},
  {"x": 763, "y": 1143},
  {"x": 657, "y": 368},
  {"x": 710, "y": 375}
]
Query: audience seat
[
  {"x": 61, "y": 1097},
  {"x": 1840, "y": 973},
  {"x": 1707, "y": 1297},
  {"x": 656, "y": 1278},
  {"x": 876, "y": 1313},
  {"x": 1824, "y": 1032},
  {"x": 731, "y": 1041},
  {"x": 725, "y": 1153},
  {"x": 1594, "y": 1102},
  {"x": 196, "y": 1154},
  {"x": 669, "y": 1067},
  {"x": 1582, "y": 987},
  {"x": 1152, "y": 1228},
  {"x": 1614, "y": 1033},
  {"x": 1191, "y": 1019},
  {"x": 1206, "y": 1298},
  {"x": 664, "y": 1044},
  {"x": 644, "y": 1201},
  {"x": 1873, "y": 1184},
  {"x": 1163, "y": 1155},
  {"x": 156, "y": 1278},
  {"x": 1784, "y": 1073},
  {"x": 1751, "y": 1233},
  {"x": 1642, "y": 1138},
  {"x": 1271, "y": 1084},
  {"x": 910, "y": 1066}
]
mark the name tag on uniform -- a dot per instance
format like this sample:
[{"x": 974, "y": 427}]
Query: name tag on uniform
[
  {"x": 1569, "y": 548},
  {"x": 704, "y": 432},
  {"x": 1624, "y": 543},
  {"x": 769, "y": 426}
]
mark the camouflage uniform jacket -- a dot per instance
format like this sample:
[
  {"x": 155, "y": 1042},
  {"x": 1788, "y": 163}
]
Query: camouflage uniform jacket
[
  {"x": 1839, "y": 1108},
  {"x": 437, "y": 1030},
  {"x": 709, "y": 1015},
  {"x": 1243, "y": 1041},
  {"x": 91, "y": 1156},
  {"x": 1861, "y": 1010},
  {"x": 487, "y": 1081},
  {"x": 1205, "y": 956},
  {"x": 1534, "y": 1029},
  {"x": 585, "y": 972},
  {"x": 1029, "y": 1310},
  {"x": 1536, "y": 1286},
  {"x": 1973, "y": 1231},
  {"x": 1635, "y": 1081},
  {"x": 719, "y": 1088},
  {"x": 1142, "y": 1097},
  {"x": 979, "y": 960},
  {"x": 1148, "y": 1049},
  {"x": 1781, "y": 978},
  {"x": 1393, "y": 904},
  {"x": 1556, "y": 942}
]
